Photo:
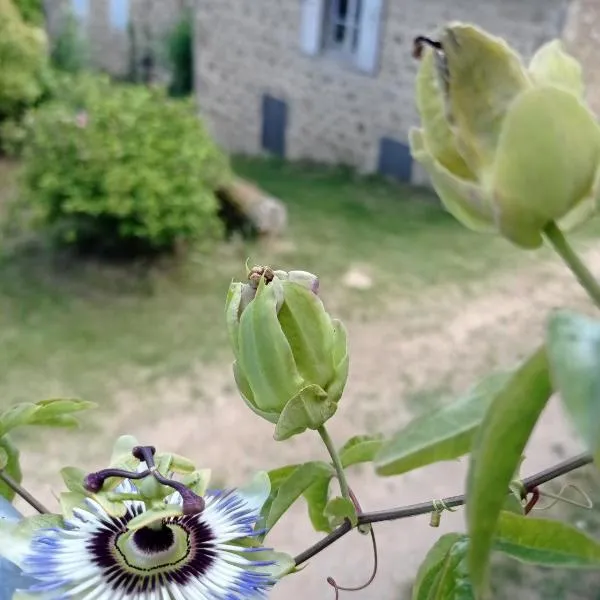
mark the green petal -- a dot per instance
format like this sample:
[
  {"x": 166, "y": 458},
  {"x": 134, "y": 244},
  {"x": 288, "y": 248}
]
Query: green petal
[
  {"x": 232, "y": 308},
  {"x": 551, "y": 65},
  {"x": 485, "y": 76},
  {"x": 341, "y": 358},
  {"x": 462, "y": 198},
  {"x": 432, "y": 110},
  {"x": 248, "y": 398},
  {"x": 546, "y": 163},
  {"x": 265, "y": 356},
  {"x": 258, "y": 490},
  {"x": 309, "y": 332},
  {"x": 585, "y": 210},
  {"x": 308, "y": 409}
]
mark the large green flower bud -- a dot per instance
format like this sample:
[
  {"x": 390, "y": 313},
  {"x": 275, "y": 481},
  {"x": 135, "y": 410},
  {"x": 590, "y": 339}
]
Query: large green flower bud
[
  {"x": 291, "y": 357},
  {"x": 508, "y": 148}
]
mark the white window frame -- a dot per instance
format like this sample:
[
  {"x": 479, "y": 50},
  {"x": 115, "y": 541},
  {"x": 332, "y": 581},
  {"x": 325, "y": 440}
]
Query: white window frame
[
  {"x": 361, "y": 49},
  {"x": 350, "y": 23}
]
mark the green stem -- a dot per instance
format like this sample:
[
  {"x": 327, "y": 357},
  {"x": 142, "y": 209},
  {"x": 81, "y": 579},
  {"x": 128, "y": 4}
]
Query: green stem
[
  {"x": 337, "y": 463},
  {"x": 562, "y": 247}
]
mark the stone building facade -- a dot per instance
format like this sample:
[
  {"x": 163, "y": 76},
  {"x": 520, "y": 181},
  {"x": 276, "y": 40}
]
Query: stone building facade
[
  {"x": 333, "y": 80},
  {"x": 120, "y": 33}
]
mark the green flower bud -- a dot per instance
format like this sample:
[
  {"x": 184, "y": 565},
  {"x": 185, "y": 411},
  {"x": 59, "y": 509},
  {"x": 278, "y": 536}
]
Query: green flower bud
[
  {"x": 291, "y": 357},
  {"x": 508, "y": 148}
]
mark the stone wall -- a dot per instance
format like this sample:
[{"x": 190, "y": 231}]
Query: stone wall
[
  {"x": 112, "y": 49},
  {"x": 336, "y": 114},
  {"x": 582, "y": 38}
]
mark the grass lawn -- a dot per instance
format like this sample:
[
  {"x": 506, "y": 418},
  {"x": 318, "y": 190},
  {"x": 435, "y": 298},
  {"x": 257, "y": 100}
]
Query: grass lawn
[
  {"x": 80, "y": 329},
  {"x": 132, "y": 338}
]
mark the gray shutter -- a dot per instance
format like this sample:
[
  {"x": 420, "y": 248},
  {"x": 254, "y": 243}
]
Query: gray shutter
[
  {"x": 367, "y": 54},
  {"x": 311, "y": 29}
]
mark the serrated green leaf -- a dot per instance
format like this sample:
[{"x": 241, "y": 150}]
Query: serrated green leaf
[
  {"x": 443, "y": 575},
  {"x": 574, "y": 354},
  {"x": 317, "y": 496},
  {"x": 360, "y": 449},
  {"x": 301, "y": 478},
  {"x": 444, "y": 434},
  {"x": 339, "y": 509},
  {"x": 546, "y": 542},
  {"x": 12, "y": 467},
  {"x": 497, "y": 451}
]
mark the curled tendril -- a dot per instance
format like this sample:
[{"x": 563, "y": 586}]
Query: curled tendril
[
  {"x": 587, "y": 501},
  {"x": 364, "y": 529},
  {"x": 338, "y": 588},
  {"x": 439, "y": 506}
]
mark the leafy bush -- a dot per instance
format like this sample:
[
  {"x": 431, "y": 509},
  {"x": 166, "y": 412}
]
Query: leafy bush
[
  {"x": 121, "y": 169},
  {"x": 70, "y": 51},
  {"x": 22, "y": 61},
  {"x": 32, "y": 11},
  {"x": 180, "y": 52}
]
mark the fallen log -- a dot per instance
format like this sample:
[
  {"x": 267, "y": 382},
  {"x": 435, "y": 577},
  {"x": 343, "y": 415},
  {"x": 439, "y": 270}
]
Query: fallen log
[{"x": 244, "y": 206}]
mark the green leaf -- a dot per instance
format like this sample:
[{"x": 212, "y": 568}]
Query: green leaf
[
  {"x": 12, "y": 466},
  {"x": 444, "y": 434},
  {"x": 339, "y": 509},
  {"x": 317, "y": 496},
  {"x": 53, "y": 413},
  {"x": 497, "y": 451},
  {"x": 360, "y": 449},
  {"x": 545, "y": 542},
  {"x": 443, "y": 575},
  {"x": 276, "y": 479},
  {"x": 574, "y": 354},
  {"x": 301, "y": 478}
]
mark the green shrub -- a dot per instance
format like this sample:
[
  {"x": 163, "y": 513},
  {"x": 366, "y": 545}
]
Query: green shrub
[
  {"x": 70, "y": 51},
  {"x": 180, "y": 53},
  {"x": 121, "y": 169},
  {"x": 32, "y": 11},
  {"x": 22, "y": 61}
]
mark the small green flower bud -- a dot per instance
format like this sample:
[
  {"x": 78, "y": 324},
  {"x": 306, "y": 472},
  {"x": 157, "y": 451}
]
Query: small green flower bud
[
  {"x": 291, "y": 357},
  {"x": 509, "y": 148}
]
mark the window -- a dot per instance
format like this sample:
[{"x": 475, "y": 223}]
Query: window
[
  {"x": 343, "y": 28},
  {"x": 118, "y": 14}
]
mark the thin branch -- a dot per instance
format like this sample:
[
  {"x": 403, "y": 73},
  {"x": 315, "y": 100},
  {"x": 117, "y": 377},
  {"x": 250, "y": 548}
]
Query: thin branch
[
  {"x": 21, "y": 491},
  {"x": 424, "y": 508}
]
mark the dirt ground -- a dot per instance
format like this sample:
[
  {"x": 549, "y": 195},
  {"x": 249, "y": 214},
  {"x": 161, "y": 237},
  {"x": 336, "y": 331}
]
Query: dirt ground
[{"x": 444, "y": 343}]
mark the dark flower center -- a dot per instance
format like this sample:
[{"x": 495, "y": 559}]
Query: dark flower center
[
  {"x": 151, "y": 541},
  {"x": 161, "y": 556}
]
